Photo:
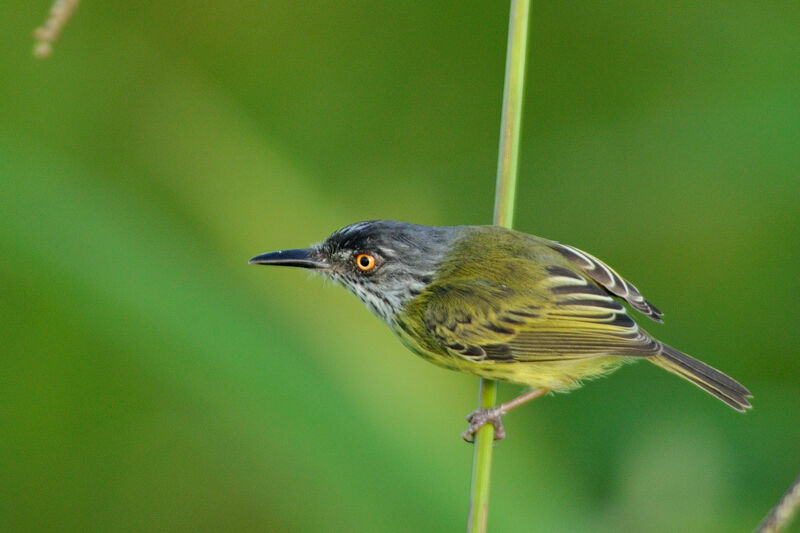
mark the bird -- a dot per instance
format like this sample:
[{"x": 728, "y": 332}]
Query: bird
[{"x": 502, "y": 305}]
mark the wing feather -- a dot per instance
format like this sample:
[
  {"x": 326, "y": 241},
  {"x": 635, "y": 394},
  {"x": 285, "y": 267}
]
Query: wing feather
[
  {"x": 564, "y": 317},
  {"x": 608, "y": 279}
]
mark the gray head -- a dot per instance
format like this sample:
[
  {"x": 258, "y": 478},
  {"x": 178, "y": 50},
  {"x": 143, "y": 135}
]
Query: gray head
[{"x": 384, "y": 263}]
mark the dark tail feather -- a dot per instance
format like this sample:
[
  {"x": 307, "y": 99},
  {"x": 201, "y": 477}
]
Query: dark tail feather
[{"x": 709, "y": 379}]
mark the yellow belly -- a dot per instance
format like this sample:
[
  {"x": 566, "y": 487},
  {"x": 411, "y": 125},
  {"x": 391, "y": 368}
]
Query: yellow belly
[{"x": 554, "y": 374}]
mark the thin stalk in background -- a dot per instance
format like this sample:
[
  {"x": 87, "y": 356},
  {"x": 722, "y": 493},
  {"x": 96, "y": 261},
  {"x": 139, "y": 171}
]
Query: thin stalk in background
[
  {"x": 48, "y": 33},
  {"x": 510, "y": 123},
  {"x": 781, "y": 515}
]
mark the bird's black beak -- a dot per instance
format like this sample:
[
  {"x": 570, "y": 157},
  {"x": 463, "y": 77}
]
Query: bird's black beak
[{"x": 302, "y": 258}]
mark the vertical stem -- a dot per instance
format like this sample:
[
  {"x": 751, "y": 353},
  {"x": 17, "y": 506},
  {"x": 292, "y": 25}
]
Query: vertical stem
[
  {"x": 482, "y": 463},
  {"x": 503, "y": 216},
  {"x": 511, "y": 120}
]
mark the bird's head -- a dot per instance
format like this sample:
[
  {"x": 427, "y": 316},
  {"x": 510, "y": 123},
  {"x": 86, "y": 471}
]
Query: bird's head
[{"x": 385, "y": 263}]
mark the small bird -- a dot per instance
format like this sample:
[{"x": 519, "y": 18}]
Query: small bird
[{"x": 500, "y": 304}]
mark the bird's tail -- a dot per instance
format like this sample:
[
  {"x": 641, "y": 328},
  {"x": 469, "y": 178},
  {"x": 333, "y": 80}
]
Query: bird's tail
[{"x": 709, "y": 379}]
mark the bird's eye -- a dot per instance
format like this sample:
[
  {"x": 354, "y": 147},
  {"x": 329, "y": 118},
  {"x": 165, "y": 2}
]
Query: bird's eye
[{"x": 365, "y": 262}]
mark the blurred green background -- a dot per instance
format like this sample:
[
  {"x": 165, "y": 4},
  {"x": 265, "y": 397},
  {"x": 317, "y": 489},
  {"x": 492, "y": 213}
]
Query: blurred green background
[{"x": 153, "y": 381}]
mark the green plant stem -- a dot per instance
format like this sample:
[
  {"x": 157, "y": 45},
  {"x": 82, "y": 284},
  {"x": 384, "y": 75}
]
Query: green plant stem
[
  {"x": 511, "y": 120},
  {"x": 510, "y": 123}
]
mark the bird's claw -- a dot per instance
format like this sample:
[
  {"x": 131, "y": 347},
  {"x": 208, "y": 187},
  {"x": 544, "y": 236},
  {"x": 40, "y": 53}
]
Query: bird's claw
[{"x": 479, "y": 418}]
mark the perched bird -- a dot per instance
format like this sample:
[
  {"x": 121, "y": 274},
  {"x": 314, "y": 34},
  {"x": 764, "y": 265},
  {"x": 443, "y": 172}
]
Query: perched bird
[{"x": 500, "y": 304}]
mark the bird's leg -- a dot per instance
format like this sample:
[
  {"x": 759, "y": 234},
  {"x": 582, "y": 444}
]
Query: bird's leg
[{"x": 480, "y": 417}]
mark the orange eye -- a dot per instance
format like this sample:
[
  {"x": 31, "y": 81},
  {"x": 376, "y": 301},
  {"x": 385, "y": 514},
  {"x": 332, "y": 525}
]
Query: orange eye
[{"x": 365, "y": 262}]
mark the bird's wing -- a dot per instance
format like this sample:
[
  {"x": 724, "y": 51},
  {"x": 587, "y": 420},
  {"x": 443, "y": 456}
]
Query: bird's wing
[
  {"x": 563, "y": 316},
  {"x": 605, "y": 276}
]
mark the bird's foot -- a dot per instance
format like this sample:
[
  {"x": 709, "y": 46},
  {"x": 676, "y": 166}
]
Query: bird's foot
[{"x": 479, "y": 418}]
